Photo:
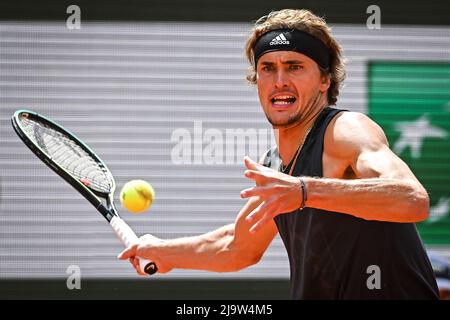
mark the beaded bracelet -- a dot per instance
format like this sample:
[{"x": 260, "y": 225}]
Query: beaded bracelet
[{"x": 304, "y": 194}]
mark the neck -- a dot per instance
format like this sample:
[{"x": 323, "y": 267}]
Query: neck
[{"x": 289, "y": 139}]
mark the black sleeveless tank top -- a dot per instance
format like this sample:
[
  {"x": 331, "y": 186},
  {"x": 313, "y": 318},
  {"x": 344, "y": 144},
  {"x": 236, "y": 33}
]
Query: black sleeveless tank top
[{"x": 336, "y": 256}]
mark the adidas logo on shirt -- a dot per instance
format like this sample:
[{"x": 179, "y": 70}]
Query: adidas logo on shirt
[{"x": 280, "y": 39}]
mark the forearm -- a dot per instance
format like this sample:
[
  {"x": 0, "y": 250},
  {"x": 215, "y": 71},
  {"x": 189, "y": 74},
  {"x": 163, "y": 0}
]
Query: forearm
[
  {"x": 381, "y": 199},
  {"x": 213, "y": 251}
]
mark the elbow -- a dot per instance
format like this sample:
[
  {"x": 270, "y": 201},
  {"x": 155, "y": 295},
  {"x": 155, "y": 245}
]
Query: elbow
[
  {"x": 250, "y": 258},
  {"x": 243, "y": 258},
  {"x": 235, "y": 258},
  {"x": 420, "y": 205},
  {"x": 424, "y": 207},
  {"x": 247, "y": 259}
]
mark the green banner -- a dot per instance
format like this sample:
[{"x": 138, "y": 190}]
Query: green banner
[{"x": 411, "y": 102}]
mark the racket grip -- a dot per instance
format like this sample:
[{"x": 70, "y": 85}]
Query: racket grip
[{"x": 128, "y": 237}]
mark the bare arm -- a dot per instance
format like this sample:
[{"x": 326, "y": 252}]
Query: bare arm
[
  {"x": 384, "y": 188},
  {"x": 371, "y": 199},
  {"x": 229, "y": 248}
]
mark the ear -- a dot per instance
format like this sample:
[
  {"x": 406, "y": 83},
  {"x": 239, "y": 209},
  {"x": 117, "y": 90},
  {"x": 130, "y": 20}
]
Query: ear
[{"x": 325, "y": 82}]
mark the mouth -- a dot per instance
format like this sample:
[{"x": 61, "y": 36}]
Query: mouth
[{"x": 283, "y": 100}]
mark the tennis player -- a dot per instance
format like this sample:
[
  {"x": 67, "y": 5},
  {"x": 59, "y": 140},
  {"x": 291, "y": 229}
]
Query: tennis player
[{"x": 343, "y": 203}]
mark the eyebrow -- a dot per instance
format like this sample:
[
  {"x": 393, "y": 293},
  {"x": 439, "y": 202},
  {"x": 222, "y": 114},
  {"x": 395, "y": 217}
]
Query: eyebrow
[{"x": 267, "y": 63}]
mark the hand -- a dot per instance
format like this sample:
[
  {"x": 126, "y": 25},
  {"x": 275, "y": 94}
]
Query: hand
[
  {"x": 148, "y": 247},
  {"x": 280, "y": 193}
]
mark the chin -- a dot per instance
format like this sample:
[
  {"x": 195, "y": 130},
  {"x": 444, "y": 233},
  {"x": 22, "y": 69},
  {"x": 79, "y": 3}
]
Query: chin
[{"x": 285, "y": 122}]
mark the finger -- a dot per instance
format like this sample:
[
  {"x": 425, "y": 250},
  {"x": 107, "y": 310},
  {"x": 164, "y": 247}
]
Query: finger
[
  {"x": 250, "y": 192},
  {"x": 261, "y": 210},
  {"x": 268, "y": 214},
  {"x": 261, "y": 191},
  {"x": 138, "y": 268},
  {"x": 257, "y": 176},
  {"x": 135, "y": 262},
  {"x": 252, "y": 165},
  {"x": 261, "y": 223},
  {"x": 128, "y": 252}
]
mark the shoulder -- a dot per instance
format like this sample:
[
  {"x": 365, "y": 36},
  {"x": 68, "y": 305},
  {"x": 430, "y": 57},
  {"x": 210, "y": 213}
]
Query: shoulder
[{"x": 352, "y": 132}]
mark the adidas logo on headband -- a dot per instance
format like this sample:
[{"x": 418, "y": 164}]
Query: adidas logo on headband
[
  {"x": 299, "y": 41},
  {"x": 280, "y": 39}
]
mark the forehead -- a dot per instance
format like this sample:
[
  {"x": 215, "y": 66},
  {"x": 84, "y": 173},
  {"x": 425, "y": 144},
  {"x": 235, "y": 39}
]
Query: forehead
[{"x": 283, "y": 56}]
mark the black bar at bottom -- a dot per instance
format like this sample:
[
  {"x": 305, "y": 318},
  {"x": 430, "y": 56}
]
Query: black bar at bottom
[{"x": 191, "y": 289}]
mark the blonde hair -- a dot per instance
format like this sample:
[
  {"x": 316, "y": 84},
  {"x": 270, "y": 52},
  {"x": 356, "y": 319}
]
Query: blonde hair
[{"x": 305, "y": 21}]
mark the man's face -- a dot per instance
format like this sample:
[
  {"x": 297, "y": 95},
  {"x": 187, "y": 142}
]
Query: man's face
[{"x": 289, "y": 86}]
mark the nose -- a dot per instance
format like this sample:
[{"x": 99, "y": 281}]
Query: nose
[{"x": 282, "y": 79}]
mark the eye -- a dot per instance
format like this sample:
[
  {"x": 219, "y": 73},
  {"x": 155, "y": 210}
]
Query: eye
[
  {"x": 267, "y": 68},
  {"x": 295, "y": 67}
]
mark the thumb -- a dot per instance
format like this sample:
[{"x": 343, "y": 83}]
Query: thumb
[
  {"x": 128, "y": 252},
  {"x": 250, "y": 164}
]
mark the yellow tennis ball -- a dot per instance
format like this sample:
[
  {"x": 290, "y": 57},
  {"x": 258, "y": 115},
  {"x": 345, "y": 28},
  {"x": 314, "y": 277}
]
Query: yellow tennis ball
[{"x": 137, "y": 196}]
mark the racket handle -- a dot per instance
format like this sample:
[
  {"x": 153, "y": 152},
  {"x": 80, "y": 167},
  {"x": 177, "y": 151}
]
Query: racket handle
[{"x": 128, "y": 237}]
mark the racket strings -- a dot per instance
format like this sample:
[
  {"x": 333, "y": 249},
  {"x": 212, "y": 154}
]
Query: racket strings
[{"x": 69, "y": 155}]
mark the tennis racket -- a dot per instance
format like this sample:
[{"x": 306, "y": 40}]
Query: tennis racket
[{"x": 76, "y": 163}]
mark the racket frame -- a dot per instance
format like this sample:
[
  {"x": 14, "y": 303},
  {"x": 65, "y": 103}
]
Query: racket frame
[
  {"x": 90, "y": 194},
  {"x": 108, "y": 211}
]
